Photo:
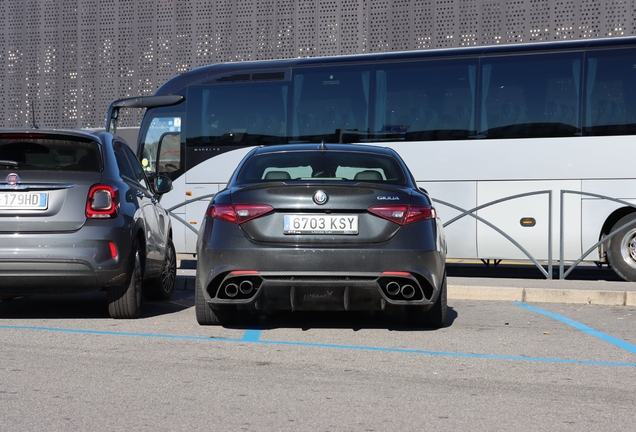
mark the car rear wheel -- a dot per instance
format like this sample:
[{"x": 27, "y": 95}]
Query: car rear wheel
[
  {"x": 621, "y": 249},
  {"x": 162, "y": 287},
  {"x": 435, "y": 317},
  {"x": 124, "y": 302},
  {"x": 206, "y": 315}
]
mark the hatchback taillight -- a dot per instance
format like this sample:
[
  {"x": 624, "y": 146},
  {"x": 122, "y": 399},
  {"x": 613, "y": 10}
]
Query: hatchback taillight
[
  {"x": 102, "y": 202},
  {"x": 238, "y": 213},
  {"x": 404, "y": 214}
]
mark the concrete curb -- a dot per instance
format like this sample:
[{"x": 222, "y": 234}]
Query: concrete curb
[{"x": 543, "y": 295}]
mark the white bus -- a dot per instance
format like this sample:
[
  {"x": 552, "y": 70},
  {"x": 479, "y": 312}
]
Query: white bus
[{"x": 475, "y": 125}]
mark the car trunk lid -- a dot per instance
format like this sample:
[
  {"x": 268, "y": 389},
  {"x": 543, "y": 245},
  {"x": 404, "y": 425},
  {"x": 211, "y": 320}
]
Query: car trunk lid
[
  {"x": 41, "y": 202},
  {"x": 321, "y": 213}
]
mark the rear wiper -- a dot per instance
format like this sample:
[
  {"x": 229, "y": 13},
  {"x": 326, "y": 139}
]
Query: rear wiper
[{"x": 10, "y": 163}]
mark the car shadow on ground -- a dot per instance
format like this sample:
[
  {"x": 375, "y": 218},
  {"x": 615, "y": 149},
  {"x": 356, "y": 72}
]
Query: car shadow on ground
[
  {"x": 307, "y": 320},
  {"x": 92, "y": 305}
]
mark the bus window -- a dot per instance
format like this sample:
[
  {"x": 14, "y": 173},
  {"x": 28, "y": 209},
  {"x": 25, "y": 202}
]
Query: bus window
[
  {"x": 330, "y": 104},
  {"x": 161, "y": 145},
  {"x": 237, "y": 113},
  {"x": 428, "y": 100},
  {"x": 610, "y": 95},
  {"x": 531, "y": 96}
]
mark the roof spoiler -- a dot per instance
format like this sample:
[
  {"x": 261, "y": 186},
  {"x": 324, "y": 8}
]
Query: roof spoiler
[{"x": 138, "y": 102}]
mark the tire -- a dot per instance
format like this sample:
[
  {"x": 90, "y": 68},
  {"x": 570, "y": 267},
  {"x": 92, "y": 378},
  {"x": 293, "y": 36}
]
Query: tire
[
  {"x": 124, "y": 302},
  {"x": 435, "y": 317},
  {"x": 162, "y": 287},
  {"x": 621, "y": 249},
  {"x": 208, "y": 316}
]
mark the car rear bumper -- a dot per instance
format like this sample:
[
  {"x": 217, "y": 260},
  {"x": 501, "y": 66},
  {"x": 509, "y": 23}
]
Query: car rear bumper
[
  {"x": 320, "y": 279},
  {"x": 61, "y": 263}
]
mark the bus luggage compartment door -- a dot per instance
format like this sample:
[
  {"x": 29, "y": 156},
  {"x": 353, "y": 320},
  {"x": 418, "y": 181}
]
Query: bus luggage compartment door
[{"x": 525, "y": 219}]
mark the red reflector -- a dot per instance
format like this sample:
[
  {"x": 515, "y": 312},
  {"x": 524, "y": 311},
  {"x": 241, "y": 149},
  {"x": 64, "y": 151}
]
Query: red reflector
[
  {"x": 244, "y": 272},
  {"x": 113, "y": 250},
  {"x": 396, "y": 273},
  {"x": 238, "y": 213}
]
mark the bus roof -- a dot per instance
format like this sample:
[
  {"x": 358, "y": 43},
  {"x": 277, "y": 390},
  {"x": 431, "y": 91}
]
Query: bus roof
[{"x": 207, "y": 72}]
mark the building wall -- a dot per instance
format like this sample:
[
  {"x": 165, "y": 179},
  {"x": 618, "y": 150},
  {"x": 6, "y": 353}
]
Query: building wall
[{"x": 63, "y": 61}]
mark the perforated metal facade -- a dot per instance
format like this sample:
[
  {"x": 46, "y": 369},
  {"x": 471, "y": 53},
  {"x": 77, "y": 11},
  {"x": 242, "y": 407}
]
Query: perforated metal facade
[{"x": 63, "y": 61}]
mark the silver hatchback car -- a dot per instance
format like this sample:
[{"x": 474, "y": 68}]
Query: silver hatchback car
[{"x": 78, "y": 214}]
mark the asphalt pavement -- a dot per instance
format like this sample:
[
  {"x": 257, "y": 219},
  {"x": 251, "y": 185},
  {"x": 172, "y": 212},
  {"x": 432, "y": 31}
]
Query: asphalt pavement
[{"x": 518, "y": 283}]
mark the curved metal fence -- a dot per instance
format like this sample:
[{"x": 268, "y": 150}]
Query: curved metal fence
[{"x": 471, "y": 213}]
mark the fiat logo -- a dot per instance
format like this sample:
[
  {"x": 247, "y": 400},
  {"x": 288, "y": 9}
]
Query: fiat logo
[
  {"x": 320, "y": 197},
  {"x": 13, "y": 179}
]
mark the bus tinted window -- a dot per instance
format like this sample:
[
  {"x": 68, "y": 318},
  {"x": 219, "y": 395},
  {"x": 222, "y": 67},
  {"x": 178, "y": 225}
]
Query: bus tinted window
[
  {"x": 237, "y": 113},
  {"x": 610, "y": 94},
  {"x": 426, "y": 100},
  {"x": 530, "y": 95},
  {"x": 330, "y": 104}
]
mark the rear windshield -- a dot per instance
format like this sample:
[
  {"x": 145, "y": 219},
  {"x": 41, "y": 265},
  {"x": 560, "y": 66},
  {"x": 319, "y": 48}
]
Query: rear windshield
[
  {"x": 49, "y": 154},
  {"x": 322, "y": 166}
]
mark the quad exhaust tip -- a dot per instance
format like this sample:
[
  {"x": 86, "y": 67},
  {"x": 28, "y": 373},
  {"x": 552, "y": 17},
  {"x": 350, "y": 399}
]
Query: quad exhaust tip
[
  {"x": 246, "y": 287},
  {"x": 231, "y": 290},
  {"x": 396, "y": 288}
]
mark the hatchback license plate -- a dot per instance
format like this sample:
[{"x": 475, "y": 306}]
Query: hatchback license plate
[
  {"x": 23, "y": 200},
  {"x": 320, "y": 224}
]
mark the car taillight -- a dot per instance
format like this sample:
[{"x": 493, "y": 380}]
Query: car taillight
[
  {"x": 404, "y": 214},
  {"x": 102, "y": 202},
  {"x": 238, "y": 213}
]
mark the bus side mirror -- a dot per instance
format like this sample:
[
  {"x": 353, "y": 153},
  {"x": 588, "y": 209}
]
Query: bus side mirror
[{"x": 169, "y": 152}]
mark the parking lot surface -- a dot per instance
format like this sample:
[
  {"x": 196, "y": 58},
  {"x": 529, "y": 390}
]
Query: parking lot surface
[{"x": 496, "y": 365}]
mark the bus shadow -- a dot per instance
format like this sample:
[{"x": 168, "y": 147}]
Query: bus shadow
[{"x": 528, "y": 271}]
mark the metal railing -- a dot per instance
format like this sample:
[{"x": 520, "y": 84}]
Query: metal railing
[
  {"x": 463, "y": 212},
  {"x": 185, "y": 203},
  {"x": 562, "y": 274},
  {"x": 471, "y": 212}
]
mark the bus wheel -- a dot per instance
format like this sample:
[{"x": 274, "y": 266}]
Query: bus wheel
[{"x": 621, "y": 249}]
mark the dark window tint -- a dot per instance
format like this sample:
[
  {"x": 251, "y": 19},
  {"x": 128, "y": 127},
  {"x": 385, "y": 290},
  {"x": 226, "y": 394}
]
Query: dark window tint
[
  {"x": 322, "y": 166},
  {"x": 426, "y": 100},
  {"x": 122, "y": 163},
  {"x": 610, "y": 92},
  {"x": 50, "y": 154},
  {"x": 128, "y": 164},
  {"x": 531, "y": 95},
  {"x": 330, "y": 103},
  {"x": 138, "y": 171},
  {"x": 237, "y": 113}
]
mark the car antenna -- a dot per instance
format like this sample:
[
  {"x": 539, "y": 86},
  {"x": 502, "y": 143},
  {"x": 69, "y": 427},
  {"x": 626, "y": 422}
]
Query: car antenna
[{"x": 322, "y": 147}]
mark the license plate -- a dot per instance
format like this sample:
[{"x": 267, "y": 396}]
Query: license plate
[
  {"x": 24, "y": 200},
  {"x": 320, "y": 224}
]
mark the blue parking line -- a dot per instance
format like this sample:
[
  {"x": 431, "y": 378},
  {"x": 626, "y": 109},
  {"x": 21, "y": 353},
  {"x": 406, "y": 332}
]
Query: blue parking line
[
  {"x": 582, "y": 327},
  {"x": 254, "y": 336}
]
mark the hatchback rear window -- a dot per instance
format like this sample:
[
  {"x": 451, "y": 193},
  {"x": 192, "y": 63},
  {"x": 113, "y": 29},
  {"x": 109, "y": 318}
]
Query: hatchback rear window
[
  {"x": 47, "y": 154},
  {"x": 322, "y": 166}
]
